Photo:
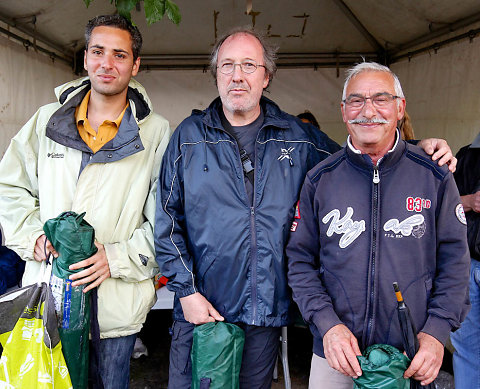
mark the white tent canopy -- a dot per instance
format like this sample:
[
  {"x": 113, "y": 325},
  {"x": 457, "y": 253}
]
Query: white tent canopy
[{"x": 431, "y": 45}]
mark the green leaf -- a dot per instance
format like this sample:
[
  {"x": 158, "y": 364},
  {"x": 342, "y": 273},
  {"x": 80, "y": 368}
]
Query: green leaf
[
  {"x": 173, "y": 12},
  {"x": 87, "y": 2},
  {"x": 154, "y": 10},
  {"x": 124, "y": 7}
]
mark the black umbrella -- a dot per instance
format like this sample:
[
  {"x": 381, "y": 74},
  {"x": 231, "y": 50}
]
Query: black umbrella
[{"x": 409, "y": 334}]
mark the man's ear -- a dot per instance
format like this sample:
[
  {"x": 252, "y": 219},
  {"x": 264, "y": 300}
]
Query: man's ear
[
  {"x": 136, "y": 66},
  {"x": 266, "y": 81},
  {"x": 342, "y": 108},
  {"x": 85, "y": 60},
  {"x": 401, "y": 108}
]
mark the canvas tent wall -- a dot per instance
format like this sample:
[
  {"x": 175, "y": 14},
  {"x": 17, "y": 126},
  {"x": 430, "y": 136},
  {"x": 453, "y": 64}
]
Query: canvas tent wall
[{"x": 440, "y": 85}]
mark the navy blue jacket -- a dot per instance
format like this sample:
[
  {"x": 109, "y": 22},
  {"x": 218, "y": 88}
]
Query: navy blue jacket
[
  {"x": 360, "y": 229},
  {"x": 208, "y": 238}
]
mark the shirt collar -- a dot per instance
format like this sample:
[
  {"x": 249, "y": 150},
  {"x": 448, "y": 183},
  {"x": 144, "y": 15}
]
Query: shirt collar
[
  {"x": 356, "y": 151},
  {"x": 81, "y": 115}
]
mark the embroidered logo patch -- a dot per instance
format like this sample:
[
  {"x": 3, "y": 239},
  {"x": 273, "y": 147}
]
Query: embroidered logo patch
[
  {"x": 413, "y": 225},
  {"x": 294, "y": 226},
  {"x": 55, "y": 155},
  {"x": 460, "y": 213},
  {"x": 297, "y": 210},
  {"x": 417, "y": 204},
  {"x": 143, "y": 259},
  {"x": 285, "y": 153},
  {"x": 345, "y": 226}
]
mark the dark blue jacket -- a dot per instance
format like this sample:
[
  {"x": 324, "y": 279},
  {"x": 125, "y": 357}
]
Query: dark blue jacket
[
  {"x": 356, "y": 235},
  {"x": 208, "y": 238}
]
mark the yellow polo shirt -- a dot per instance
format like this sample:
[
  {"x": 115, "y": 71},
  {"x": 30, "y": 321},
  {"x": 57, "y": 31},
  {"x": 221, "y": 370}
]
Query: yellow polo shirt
[{"x": 106, "y": 131}]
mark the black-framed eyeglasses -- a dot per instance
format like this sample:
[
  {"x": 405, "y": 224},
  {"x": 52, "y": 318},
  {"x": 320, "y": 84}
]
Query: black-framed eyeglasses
[
  {"x": 247, "y": 67},
  {"x": 379, "y": 100}
]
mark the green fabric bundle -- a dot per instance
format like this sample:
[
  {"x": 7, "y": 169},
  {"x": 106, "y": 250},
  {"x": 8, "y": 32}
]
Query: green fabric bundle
[
  {"x": 383, "y": 367},
  {"x": 73, "y": 239},
  {"x": 217, "y": 356}
]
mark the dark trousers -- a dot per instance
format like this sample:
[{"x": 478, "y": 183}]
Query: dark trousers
[{"x": 258, "y": 360}]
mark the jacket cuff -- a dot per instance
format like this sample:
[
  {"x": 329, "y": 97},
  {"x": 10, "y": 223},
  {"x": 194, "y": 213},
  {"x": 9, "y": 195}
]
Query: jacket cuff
[
  {"x": 325, "y": 319},
  {"x": 110, "y": 252},
  {"x": 183, "y": 292},
  {"x": 438, "y": 328}
]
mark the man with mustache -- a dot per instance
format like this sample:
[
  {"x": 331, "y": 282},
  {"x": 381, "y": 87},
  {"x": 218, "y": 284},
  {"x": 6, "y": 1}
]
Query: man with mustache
[
  {"x": 229, "y": 181},
  {"x": 97, "y": 150},
  {"x": 377, "y": 212}
]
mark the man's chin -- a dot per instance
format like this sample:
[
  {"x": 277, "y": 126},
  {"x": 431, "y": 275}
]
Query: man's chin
[{"x": 107, "y": 90}]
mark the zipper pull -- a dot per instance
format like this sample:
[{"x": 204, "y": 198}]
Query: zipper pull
[
  {"x": 252, "y": 211},
  {"x": 376, "y": 176}
]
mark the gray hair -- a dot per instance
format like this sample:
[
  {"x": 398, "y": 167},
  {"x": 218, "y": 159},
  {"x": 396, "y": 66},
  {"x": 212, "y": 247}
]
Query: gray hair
[
  {"x": 371, "y": 67},
  {"x": 269, "y": 50}
]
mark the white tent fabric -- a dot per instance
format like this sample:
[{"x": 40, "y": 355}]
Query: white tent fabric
[
  {"x": 27, "y": 80},
  {"x": 442, "y": 91}
]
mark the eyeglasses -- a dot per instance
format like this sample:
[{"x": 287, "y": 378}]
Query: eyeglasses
[
  {"x": 247, "y": 67},
  {"x": 379, "y": 100}
]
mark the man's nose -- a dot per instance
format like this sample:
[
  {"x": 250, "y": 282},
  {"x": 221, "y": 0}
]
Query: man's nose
[
  {"x": 369, "y": 109},
  {"x": 107, "y": 62},
  {"x": 237, "y": 74}
]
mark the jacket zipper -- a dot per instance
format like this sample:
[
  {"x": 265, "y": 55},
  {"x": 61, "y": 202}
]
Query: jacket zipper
[
  {"x": 371, "y": 313},
  {"x": 253, "y": 260},
  {"x": 253, "y": 230}
]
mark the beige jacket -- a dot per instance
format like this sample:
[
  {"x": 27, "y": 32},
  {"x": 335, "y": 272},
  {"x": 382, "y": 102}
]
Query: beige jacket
[{"x": 47, "y": 170}]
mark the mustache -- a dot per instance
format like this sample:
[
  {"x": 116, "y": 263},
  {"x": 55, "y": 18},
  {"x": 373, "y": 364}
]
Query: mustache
[
  {"x": 237, "y": 85},
  {"x": 368, "y": 121}
]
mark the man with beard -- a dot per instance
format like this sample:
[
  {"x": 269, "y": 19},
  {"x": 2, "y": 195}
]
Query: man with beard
[{"x": 229, "y": 182}]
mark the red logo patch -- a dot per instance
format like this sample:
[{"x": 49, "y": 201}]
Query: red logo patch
[{"x": 293, "y": 228}]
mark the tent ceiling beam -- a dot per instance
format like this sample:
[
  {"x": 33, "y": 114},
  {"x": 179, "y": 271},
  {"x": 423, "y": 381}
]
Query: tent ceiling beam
[
  {"x": 461, "y": 23},
  {"x": 27, "y": 44},
  {"x": 23, "y": 28},
  {"x": 359, "y": 26}
]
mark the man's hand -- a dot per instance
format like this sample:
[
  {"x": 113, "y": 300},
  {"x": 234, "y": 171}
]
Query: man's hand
[
  {"x": 439, "y": 149},
  {"x": 428, "y": 360},
  {"x": 341, "y": 350},
  {"x": 98, "y": 272},
  {"x": 471, "y": 202},
  {"x": 43, "y": 248},
  {"x": 197, "y": 310}
]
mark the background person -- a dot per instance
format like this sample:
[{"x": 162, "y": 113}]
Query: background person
[{"x": 466, "y": 340}]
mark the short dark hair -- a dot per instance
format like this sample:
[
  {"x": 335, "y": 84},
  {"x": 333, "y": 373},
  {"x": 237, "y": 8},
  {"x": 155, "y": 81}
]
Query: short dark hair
[
  {"x": 116, "y": 21},
  {"x": 269, "y": 50},
  {"x": 308, "y": 116}
]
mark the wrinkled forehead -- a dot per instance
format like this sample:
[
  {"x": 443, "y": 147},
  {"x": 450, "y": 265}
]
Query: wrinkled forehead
[
  {"x": 239, "y": 47},
  {"x": 371, "y": 82}
]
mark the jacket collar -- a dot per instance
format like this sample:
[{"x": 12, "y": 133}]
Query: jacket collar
[
  {"x": 387, "y": 161},
  {"x": 273, "y": 115},
  {"x": 62, "y": 127}
]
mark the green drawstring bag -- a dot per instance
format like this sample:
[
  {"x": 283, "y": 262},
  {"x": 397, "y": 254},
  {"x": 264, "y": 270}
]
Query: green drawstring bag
[
  {"x": 217, "y": 356},
  {"x": 73, "y": 239},
  {"x": 383, "y": 367}
]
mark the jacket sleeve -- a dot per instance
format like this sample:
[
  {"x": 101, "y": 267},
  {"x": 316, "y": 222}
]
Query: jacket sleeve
[
  {"x": 127, "y": 258},
  {"x": 171, "y": 240},
  {"x": 448, "y": 304},
  {"x": 302, "y": 252},
  {"x": 19, "y": 200}
]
